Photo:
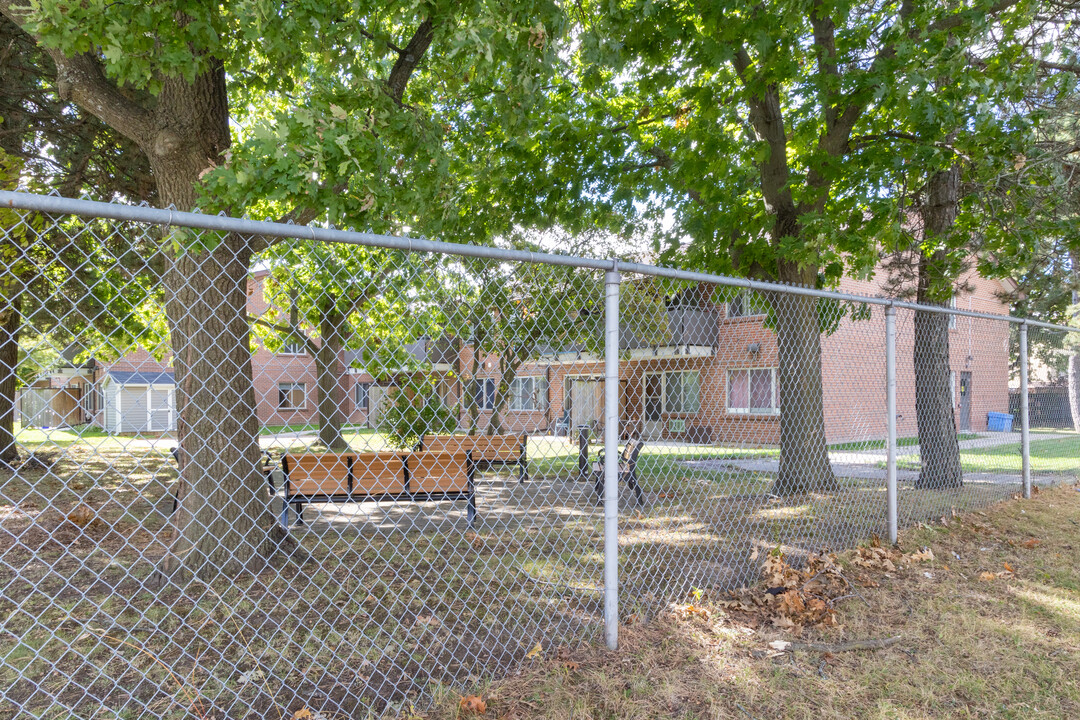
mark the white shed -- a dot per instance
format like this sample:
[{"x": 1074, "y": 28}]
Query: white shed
[{"x": 139, "y": 401}]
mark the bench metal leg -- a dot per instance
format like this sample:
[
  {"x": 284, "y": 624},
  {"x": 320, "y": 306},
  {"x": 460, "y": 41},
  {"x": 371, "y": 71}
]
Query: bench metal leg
[
  {"x": 631, "y": 482},
  {"x": 470, "y": 511},
  {"x": 298, "y": 508},
  {"x": 523, "y": 471},
  {"x": 598, "y": 480},
  {"x": 285, "y": 514}
]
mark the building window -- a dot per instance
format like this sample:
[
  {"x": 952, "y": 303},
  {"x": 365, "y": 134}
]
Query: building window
[
  {"x": 682, "y": 392},
  {"x": 952, "y": 318},
  {"x": 748, "y": 304},
  {"x": 291, "y": 396},
  {"x": 483, "y": 394},
  {"x": 752, "y": 391},
  {"x": 363, "y": 396},
  {"x": 292, "y": 349},
  {"x": 529, "y": 393}
]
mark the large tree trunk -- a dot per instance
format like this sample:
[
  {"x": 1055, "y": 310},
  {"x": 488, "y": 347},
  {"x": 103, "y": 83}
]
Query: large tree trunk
[
  {"x": 224, "y": 522},
  {"x": 10, "y": 323},
  {"x": 328, "y": 381},
  {"x": 508, "y": 367},
  {"x": 804, "y": 455},
  {"x": 1074, "y": 349},
  {"x": 939, "y": 448}
]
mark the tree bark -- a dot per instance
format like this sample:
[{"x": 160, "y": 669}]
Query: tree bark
[
  {"x": 224, "y": 522},
  {"x": 1074, "y": 349},
  {"x": 939, "y": 448},
  {"x": 328, "y": 381},
  {"x": 10, "y": 323},
  {"x": 804, "y": 455}
]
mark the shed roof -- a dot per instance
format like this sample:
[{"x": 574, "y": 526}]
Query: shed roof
[{"x": 120, "y": 377}]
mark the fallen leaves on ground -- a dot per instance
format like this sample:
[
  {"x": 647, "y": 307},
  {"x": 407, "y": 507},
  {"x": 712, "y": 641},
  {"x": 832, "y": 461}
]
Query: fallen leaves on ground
[
  {"x": 472, "y": 705},
  {"x": 791, "y": 598}
]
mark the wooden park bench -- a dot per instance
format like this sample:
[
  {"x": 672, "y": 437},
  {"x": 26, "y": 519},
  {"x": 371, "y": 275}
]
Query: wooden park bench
[
  {"x": 358, "y": 477},
  {"x": 487, "y": 450},
  {"x": 627, "y": 470}
]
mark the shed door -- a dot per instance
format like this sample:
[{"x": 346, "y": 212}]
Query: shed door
[
  {"x": 160, "y": 410},
  {"x": 133, "y": 409}
]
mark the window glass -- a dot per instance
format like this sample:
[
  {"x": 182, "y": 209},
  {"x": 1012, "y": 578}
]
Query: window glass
[
  {"x": 752, "y": 390},
  {"x": 761, "y": 390},
  {"x": 291, "y": 396},
  {"x": 682, "y": 392},
  {"x": 738, "y": 390}
]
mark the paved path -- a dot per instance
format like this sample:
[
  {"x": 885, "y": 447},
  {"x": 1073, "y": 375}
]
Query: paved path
[{"x": 867, "y": 464}]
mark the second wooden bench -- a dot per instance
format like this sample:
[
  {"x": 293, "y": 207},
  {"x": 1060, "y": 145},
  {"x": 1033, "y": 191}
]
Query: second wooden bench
[{"x": 487, "y": 450}]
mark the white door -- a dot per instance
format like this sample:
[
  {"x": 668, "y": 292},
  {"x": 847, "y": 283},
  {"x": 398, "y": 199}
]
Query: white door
[
  {"x": 159, "y": 410},
  {"x": 586, "y": 405},
  {"x": 652, "y": 397},
  {"x": 375, "y": 398}
]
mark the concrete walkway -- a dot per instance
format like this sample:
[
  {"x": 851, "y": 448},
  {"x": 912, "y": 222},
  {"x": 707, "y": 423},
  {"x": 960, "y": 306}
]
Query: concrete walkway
[{"x": 869, "y": 464}]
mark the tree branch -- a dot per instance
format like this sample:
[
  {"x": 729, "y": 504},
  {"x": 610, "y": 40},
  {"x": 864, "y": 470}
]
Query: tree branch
[
  {"x": 293, "y": 333},
  {"x": 408, "y": 59},
  {"x": 81, "y": 79}
]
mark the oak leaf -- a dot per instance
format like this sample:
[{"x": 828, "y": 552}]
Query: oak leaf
[{"x": 473, "y": 705}]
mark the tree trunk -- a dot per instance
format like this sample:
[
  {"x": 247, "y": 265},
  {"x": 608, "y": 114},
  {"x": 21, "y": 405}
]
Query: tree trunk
[
  {"x": 224, "y": 522},
  {"x": 1074, "y": 348},
  {"x": 508, "y": 366},
  {"x": 328, "y": 381},
  {"x": 939, "y": 448},
  {"x": 804, "y": 455},
  {"x": 10, "y": 323},
  {"x": 470, "y": 393}
]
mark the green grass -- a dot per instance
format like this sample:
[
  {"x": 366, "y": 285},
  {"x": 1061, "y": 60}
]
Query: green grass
[
  {"x": 1060, "y": 456},
  {"x": 969, "y": 647}
]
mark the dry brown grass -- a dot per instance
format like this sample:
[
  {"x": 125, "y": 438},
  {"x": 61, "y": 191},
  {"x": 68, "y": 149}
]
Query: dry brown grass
[{"x": 971, "y": 648}]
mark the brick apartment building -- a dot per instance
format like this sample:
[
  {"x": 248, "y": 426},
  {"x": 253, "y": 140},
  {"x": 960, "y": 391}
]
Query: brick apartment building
[{"x": 713, "y": 379}]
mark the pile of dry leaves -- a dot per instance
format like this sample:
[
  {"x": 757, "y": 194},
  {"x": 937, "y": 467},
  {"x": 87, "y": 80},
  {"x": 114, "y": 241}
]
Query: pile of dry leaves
[{"x": 792, "y": 598}]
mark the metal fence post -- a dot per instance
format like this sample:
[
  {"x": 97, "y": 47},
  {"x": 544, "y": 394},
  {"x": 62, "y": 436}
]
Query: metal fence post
[
  {"x": 890, "y": 409},
  {"x": 1025, "y": 440},
  {"x": 611, "y": 457}
]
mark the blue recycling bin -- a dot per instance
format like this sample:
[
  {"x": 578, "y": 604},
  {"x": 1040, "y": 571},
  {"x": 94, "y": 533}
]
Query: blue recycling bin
[{"x": 999, "y": 422}]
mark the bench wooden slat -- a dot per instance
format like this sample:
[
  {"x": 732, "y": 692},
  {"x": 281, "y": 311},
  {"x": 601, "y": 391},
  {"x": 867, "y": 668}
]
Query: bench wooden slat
[
  {"x": 506, "y": 448},
  {"x": 378, "y": 472},
  {"x": 437, "y": 471},
  {"x": 321, "y": 474}
]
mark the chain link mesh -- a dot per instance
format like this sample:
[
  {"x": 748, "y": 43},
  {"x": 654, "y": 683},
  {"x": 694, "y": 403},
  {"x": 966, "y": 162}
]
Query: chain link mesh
[{"x": 353, "y": 478}]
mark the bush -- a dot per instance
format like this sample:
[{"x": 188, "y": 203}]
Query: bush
[{"x": 416, "y": 410}]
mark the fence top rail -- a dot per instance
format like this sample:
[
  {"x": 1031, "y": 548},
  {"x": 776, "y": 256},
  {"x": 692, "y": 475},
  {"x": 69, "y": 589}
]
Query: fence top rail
[{"x": 57, "y": 205}]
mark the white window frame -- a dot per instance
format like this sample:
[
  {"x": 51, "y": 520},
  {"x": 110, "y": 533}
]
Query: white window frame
[
  {"x": 366, "y": 404},
  {"x": 529, "y": 393},
  {"x": 288, "y": 393},
  {"x": 666, "y": 405},
  {"x": 745, "y": 298},
  {"x": 952, "y": 318},
  {"x": 774, "y": 410},
  {"x": 487, "y": 399},
  {"x": 292, "y": 349}
]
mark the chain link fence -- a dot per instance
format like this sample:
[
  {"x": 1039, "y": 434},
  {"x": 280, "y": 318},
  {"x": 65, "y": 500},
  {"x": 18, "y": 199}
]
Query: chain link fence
[{"x": 250, "y": 468}]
